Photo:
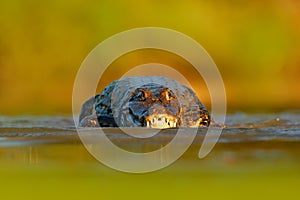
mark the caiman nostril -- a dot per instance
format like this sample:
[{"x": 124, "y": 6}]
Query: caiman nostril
[{"x": 159, "y": 119}]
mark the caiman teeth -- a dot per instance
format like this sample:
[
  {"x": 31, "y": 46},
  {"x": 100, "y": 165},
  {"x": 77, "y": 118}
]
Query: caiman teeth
[{"x": 161, "y": 122}]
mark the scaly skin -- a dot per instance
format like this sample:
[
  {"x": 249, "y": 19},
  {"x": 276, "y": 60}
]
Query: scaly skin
[{"x": 144, "y": 101}]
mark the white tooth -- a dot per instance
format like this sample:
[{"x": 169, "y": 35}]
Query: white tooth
[
  {"x": 174, "y": 124},
  {"x": 148, "y": 124}
]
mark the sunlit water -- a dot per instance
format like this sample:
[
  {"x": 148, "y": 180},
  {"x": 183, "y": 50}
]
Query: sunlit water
[
  {"x": 257, "y": 156},
  {"x": 279, "y": 133}
]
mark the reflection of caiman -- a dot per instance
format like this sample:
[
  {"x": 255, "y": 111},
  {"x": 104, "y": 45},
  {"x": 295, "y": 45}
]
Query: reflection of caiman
[{"x": 144, "y": 101}]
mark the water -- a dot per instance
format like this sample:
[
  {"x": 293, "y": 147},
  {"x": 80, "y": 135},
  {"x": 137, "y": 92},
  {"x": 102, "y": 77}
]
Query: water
[
  {"x": 279, "y": 132},
  {"x": 257, "y": 156},
  {"x": 240, "y": 127}
]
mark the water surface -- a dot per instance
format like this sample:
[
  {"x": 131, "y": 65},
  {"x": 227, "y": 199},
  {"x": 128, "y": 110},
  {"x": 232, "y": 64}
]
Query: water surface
[{"x": 257, "y": 156}]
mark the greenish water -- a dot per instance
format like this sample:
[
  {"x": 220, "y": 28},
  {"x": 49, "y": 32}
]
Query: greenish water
[{"x": 257, "y": 157}]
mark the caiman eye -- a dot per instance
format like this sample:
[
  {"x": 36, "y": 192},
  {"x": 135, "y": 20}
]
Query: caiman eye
[
  {"x": 169, "y": 95},
  {"x": 140, "y": 96}
]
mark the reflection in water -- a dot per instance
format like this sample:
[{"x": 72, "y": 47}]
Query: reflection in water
[
  {"x": 25, "y": 154},
  {"x": 35, "y": 140},
  {"x": 255, "y": 153}
]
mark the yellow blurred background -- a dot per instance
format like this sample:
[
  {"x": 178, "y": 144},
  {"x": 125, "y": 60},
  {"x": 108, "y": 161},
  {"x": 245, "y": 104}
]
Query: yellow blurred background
[{"x": 254, "y": 43}]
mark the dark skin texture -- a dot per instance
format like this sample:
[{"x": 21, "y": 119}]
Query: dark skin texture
[{"x": 129, "y": 103}]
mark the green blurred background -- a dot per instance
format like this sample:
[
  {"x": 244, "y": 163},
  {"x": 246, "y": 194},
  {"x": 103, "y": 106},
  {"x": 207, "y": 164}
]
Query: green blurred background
[{"x": 254, "y": 43}]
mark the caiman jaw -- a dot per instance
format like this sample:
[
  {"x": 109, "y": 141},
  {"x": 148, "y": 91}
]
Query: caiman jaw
[{"x": 161, "y": 121}]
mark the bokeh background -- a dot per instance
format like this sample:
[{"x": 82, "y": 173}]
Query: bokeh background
[{"x": 254, "y": 43}]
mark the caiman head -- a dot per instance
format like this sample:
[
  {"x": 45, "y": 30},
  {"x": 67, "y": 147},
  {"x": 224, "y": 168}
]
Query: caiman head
[{"x": 154, "y": 106}]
